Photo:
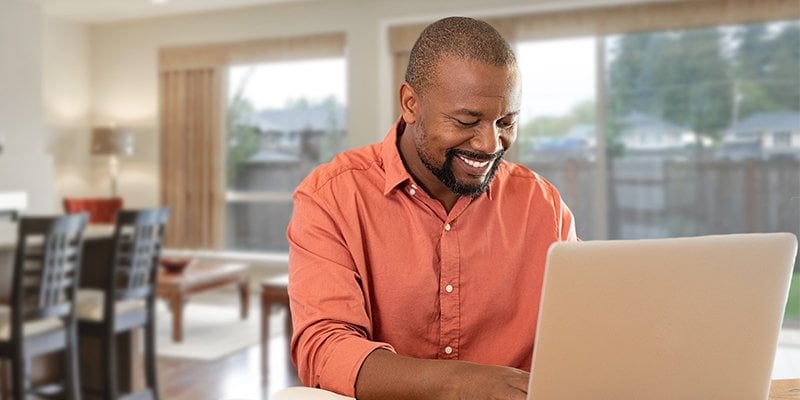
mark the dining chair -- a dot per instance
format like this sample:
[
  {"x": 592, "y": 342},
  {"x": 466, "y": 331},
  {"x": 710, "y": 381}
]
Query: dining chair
[
  {"x": 102, "y": 210},
  {"x": 41, "y": 316},
  {"x": 127, "y": 300}
]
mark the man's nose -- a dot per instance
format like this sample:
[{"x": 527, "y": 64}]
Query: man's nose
[{"x": 487, "y": 140}]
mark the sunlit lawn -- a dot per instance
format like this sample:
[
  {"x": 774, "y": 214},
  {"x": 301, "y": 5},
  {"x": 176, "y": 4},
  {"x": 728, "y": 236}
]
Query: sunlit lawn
[{"x": 793, "y": 306}]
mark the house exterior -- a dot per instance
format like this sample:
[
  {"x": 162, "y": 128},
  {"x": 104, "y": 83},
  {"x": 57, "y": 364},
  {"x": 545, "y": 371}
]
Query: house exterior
[
  {"x": 765, "y": 136},
  {"x": 645, "y": 135}
]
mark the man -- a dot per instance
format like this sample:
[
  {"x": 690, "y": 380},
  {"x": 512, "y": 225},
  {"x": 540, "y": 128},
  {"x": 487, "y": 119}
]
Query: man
[{"x": 416, "y": 264}]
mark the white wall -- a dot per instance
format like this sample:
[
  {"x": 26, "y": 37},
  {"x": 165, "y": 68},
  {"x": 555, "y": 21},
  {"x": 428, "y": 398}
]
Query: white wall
[
  {"x": 24, "y": 163},
  {"x": 66, "y": 103}
]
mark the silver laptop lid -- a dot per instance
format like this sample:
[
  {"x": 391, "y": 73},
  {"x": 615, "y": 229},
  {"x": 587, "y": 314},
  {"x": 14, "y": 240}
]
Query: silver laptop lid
[{"x": 684, "y": 318}]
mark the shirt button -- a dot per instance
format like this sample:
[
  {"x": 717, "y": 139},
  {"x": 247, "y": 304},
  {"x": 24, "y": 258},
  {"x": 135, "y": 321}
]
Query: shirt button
[
  {"x": 412, "y": 191},
  {"x": 448, "y": 350},
  {"x": 447, "y": 227},
  {"x": 448, "y": 288}
]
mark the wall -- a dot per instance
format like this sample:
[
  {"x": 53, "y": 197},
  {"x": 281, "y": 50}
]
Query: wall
[
  {"x": 24, "y": 162},
  {"x": 66, "y": 104}
]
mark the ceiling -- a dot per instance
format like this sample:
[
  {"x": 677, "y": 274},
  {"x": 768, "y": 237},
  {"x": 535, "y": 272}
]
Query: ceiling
[{"x": 98, "y": 11}]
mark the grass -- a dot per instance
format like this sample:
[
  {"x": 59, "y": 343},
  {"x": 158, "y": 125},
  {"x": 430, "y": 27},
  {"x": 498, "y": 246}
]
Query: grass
[{"x": 793, "y": 305}]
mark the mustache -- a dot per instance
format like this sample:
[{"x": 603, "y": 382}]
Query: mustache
[{"x": 474, "y": 155}]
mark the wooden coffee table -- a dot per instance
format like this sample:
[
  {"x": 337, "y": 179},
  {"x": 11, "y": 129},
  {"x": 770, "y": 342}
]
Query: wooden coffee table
[{"x": 198, "y": 277}]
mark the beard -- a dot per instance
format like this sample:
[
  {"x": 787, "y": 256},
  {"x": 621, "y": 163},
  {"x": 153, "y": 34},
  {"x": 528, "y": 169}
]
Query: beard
[{"x": 445, "y": 172}]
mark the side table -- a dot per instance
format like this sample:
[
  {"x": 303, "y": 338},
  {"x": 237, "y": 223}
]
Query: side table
[
  {"x": 198, "y": 277},
  {"x": 274, "y": 294}
]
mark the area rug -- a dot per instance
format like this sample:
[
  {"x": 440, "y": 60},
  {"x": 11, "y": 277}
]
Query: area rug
[{"x": 209, "y": 331}]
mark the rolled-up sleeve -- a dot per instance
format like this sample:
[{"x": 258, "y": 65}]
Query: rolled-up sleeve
[{"x": 332, "y": 326}]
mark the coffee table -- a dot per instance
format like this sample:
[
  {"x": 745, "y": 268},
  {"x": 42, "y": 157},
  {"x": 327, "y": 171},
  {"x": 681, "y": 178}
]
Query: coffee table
[{"x": 201, "y": 276}]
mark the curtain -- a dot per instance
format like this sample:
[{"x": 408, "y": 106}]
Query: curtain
[
  {"x": 191, "y": 160},
  {"x": 192, "y": 84}
]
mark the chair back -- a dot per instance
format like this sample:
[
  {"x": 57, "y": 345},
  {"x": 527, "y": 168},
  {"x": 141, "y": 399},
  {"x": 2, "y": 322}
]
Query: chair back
[
  {"x": 102, "y": 210},
  {"x": 138, "y": 236},
  {"x": 47, "y": 267}
]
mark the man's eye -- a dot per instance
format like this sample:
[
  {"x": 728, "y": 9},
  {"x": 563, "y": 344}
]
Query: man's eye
[
  {"x": 505, "y": 124},
  {"x": 467, "y": 124}
]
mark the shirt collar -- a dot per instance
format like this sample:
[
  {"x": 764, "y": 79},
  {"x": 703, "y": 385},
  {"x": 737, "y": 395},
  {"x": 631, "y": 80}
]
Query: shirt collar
[{"x": 396, "y": 173}]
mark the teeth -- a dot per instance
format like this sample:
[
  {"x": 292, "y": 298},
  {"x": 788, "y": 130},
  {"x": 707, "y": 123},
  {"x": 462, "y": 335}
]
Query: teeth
[{"x": 476, "y": 164}]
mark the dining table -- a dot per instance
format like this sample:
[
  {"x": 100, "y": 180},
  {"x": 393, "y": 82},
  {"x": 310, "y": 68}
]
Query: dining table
[{"x": 96, "y": 255}]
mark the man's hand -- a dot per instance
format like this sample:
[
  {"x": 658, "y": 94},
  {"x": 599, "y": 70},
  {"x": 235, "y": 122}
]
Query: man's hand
[{"x": 386, "y": 376}]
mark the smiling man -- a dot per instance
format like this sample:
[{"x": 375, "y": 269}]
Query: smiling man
[{"x": 416, "y": 264}]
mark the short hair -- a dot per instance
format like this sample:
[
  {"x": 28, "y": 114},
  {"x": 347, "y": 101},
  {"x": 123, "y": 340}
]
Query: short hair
[{"x": 460, "y": 37}]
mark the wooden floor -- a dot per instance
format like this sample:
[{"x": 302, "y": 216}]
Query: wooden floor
[
  {"x": 237, "y": 376},
  {"x": 234, "y": 377}
]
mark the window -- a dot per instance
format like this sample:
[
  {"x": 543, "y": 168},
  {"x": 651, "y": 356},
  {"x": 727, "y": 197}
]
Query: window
[
  {"x": 674, "y": 142},
  {"x": 704, "y": 98},
  {"x": 284, "y": 119},
  {"x": 783, "y": 139},
  {"x": 557, "y": 135}
]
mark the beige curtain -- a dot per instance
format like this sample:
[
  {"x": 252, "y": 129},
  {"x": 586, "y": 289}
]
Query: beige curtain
[
  {"x": 191, "y": 160},
  {"x": 192, "y": 83}
]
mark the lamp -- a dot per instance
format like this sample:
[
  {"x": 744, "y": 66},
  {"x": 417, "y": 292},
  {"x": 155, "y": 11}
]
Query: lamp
[{"x": 112, "y": 142}]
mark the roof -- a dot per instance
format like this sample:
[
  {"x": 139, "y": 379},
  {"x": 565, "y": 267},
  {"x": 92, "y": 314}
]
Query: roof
[
  {"x": 768, "y": 121},
  {"x": 315, "y": 117},
  {"x": 273, "y": 157},
  {"x": 639, "y": 122}
]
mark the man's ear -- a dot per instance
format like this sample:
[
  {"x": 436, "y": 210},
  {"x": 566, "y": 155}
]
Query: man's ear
[{"x": 409, "y": 103}]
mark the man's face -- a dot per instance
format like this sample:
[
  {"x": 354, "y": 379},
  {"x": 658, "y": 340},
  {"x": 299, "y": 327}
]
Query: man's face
[{"x": 466, "y": 121}]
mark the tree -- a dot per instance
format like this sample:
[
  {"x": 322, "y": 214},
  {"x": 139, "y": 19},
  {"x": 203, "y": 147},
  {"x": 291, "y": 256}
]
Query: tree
[
  {"x": 243, "y": 136},
  {"x": 680, "y": 77},
  {"x": 559, "y": 125},
  {"x": 767, "y": 69}
]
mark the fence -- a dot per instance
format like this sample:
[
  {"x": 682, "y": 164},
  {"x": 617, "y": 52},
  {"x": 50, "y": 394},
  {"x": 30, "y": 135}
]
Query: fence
[{"x": 664, "y": 198}]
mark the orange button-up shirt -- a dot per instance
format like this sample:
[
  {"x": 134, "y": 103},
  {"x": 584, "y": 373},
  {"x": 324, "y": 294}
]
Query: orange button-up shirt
[{"x": 375, "y": 262}]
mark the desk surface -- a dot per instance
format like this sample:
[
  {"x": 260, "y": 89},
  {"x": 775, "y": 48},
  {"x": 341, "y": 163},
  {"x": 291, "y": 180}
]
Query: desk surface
[
  {"x": 784, "y": 389},
  {"x": 781, "y": 389}
]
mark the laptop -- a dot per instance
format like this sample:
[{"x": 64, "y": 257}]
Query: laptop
[{"x": 683, "y": 318}]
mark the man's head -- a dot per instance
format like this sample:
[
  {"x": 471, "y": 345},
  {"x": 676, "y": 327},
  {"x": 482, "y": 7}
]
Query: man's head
[
  {"x": 460, "y": 102},
  {"x": 459, "y": 37}
]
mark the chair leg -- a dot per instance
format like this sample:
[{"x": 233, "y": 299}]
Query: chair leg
[
  {"x": 71, "y": 367},
  {"x": 4, "y": 384},
  {"x": 151, "y": 370},
  {"x": 18, "y": 377},
  {"x": 110, "y": 391},
  {"x": 265, "y": 313}
]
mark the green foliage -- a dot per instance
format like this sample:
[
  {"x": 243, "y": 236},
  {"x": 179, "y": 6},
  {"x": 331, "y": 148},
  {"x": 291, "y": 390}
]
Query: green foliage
[
  {"x": 704, "y": 79},
  {"x": 767, "y": 69},
  {"x": 793, "y": 305},
  {"x": 243, "y": 138},
  {"x": 555, "y": 126},
  {"x": 679, "y": 77},
  {"x": 331, "y": 140}
]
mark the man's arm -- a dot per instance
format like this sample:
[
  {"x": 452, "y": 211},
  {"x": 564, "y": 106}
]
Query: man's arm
[
  {"x": 332, "y": 325},
  {"x": 387, "y": 376}
]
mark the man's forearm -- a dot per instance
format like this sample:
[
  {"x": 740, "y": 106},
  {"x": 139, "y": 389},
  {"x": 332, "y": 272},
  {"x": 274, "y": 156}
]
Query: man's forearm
[{"x": 387, "y": 376}]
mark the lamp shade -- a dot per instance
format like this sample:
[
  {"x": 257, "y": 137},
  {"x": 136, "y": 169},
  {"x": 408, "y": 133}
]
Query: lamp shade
[{"x": 112, "y": 141}]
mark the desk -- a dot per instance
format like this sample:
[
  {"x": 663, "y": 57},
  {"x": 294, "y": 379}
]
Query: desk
[
  {"x": 782, "y": 389},
  {"x": 785, "y": 389},
  {"x": 198, "y": 277}
]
